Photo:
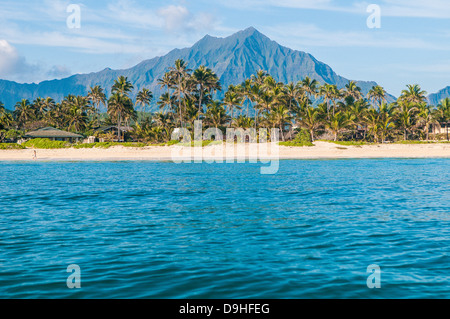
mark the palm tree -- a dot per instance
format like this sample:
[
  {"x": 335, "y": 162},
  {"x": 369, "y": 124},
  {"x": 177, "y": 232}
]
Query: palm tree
[
  {"x": 179, "y": 74},
  {"x": 144, "y": 98},
  {"x": 259, "y": 78},
  {"x": 357, "y": 111},
  {"x": 337, "y": 123},
  {"x": 49, "y": 103},
  {"x": 243, "y": 121},
  {"x": 39, "y": 107},
  {"x": 122, "y": 86},
  {"x": 413, "y": 94},
  {"x": 443, "y": 110},
  {"x": 6, "y": 120},
  {"x": 293, "y": 93},
  {"x": 157, "y": 133},
  {"x": 24, "y": 112},
  {"x": 310, "y": 86},
  {"x": 164, "y": 121},
  {"x": 377, "y": 94},
  {"x": 165, "y": 100},
  {"x": 372, "y": 118},
  {"x": 232, "y": 100},
  {"x": 167, "y": 82},
  {"x": 77, "y": 113},
  {"x": 245, "y": 90},
  {"x": 119, "y": 107},
  {"x": 97, "y": 97},
  {"x": 56, "y": 115},
  {"x": 281, "y": 117},
  {"x": 265, "y": 102},
  {"x": 216, "y": 114},
  {"x": 310, "y": 120},
  {"x": 405, "y": 115},
  {"x": 426, "y": 118},
  {"x": 207, "y": 81},
  {"x": 330, "y": 93},
  {"x": 386, "y": 119},
  {"x": 353, "y": 90},
  {"x": 190, "y": 111}
]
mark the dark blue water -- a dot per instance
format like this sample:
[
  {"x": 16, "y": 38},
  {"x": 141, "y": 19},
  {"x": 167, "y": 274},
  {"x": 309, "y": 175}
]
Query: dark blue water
[{"x": 162, "y": 230}]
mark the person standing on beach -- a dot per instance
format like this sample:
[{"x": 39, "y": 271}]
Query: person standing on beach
[{"x": 34, "y": 155}]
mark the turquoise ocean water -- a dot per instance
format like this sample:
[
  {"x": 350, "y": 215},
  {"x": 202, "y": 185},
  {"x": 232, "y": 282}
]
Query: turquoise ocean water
[{"x": 165, "y": 230}]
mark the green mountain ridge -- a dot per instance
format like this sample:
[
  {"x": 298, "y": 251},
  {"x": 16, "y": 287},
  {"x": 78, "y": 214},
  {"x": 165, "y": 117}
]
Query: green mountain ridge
[
  {"x": 436, "y": 98},
  {"x": 233, "y": 58}
]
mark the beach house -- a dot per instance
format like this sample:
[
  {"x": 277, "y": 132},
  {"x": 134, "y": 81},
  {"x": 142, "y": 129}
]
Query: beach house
[
  {"x": 54, "y": 134},
  {"x": 441, "y": 128}
]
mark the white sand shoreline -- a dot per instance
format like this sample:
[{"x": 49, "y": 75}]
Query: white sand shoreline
[{"x": 321, "y": 150}]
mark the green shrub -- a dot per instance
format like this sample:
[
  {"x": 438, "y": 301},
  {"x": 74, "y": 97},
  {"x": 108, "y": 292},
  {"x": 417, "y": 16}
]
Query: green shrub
[
  {"x": 45, "y": 143},
  {"x": 109, "y": 144},
  {"x": 86, "y": 145},
  {"x": 11, "y": 146},
  {"x": 157, "y": 144},
  {"x": 414, "y": 142},
  {"x": 13, "y": 135},
  {"x": 173, "y": 142},
  {"x": 204, "y": 143},
  {"x": 303, "y": 138}
]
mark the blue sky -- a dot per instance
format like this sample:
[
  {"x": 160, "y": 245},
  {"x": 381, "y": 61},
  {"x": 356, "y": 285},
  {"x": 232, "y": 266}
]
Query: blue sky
[{"x": 412, "y": 45}]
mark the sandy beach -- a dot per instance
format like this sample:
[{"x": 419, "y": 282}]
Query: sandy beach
[{"x": 321, "y": 150}]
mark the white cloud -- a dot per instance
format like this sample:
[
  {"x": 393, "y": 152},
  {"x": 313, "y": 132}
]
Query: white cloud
[
  {"x": 58, "y": 72},
  {"x": 11, "y": 63},
  {"x": 175, "y": 17},
  {"x": 129, "y": 13},
  {"x": 15, "y": 67},
  {"x": 180, "y": 19}
]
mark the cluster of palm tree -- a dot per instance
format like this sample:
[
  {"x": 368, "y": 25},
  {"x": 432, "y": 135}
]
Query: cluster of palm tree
[
  {"x": 261, "y": 101},
  {"x": 258, "y": 102},
  {"x": 78, "y": 113},
  {"x": 372, "y": 117}
]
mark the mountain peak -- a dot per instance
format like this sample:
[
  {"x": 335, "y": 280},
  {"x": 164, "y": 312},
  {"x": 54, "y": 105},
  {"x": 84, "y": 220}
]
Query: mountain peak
[
  {"x": 208, "y": 42},
  {"x": 233, "y": 58},
  {"x": 249, "y": 32}
]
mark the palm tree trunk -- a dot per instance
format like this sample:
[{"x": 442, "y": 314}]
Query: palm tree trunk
[
  {"x": 200, "y": 102},
  {"x": 118, "y": 127},
  {"x": 232, "y": 108},
  {"x": 179, "y": 102},
  {"x": 170, "y": 100},
  {"x": 328, "y": 110},
  {"x": 281, "y": 132}
]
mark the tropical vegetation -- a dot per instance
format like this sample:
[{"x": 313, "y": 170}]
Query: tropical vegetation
[{"x": 306, "y": 108}]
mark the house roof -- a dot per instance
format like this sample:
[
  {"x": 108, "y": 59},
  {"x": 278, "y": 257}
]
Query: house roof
[
  {"x": 51, "y": 132},
  {"x": 108, "y": 128}
]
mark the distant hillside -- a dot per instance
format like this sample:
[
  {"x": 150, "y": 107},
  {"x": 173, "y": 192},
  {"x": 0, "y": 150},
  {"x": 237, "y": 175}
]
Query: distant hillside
[
  {"x": 436, "y": 98},
  {"x": 233, "y": 58}
]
